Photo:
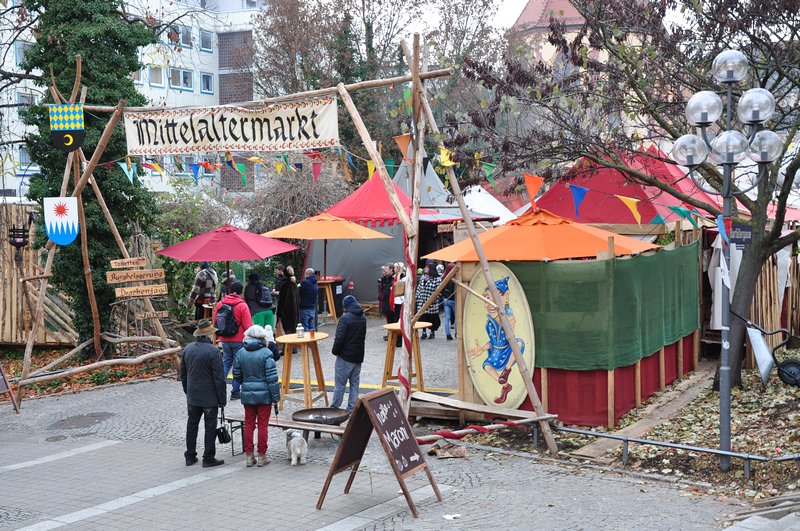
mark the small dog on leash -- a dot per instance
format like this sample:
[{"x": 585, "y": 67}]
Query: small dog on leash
[{"x": 296, "y": 446}]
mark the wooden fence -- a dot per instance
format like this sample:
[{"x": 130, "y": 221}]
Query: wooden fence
[{"x": 15, "y": 301}]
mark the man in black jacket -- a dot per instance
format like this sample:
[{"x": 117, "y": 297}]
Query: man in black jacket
[
  {"x": 203, "y": 379},
  {"x": 348, "y": 347}
]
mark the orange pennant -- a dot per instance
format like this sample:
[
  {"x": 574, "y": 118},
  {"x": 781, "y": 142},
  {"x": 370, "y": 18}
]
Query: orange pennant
[
  {"x": 533, "y": 183},
  {"x": 402, "y": 143}
]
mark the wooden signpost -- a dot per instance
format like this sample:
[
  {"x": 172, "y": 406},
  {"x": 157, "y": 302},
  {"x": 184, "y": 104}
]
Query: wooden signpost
[
  {"x": 380, "y": 410},
  {"x": 133, "y": 275},
  {"x": 142, "y": 291},
  {"x": 137, "y": 261},
  {"x": 6, "y": 389}
]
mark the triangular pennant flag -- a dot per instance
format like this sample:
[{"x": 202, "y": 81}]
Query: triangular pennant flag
[
  {"x": 425, "y": 162},
  {"x": 107, "y": 164},
  {"x": 633, "y": 206},
  {"x": 316, "y": 167},
  {"x": 129, "y": 172},
  {"x": 721, "y": 229},
  {"x": 402, "y": 142},
  {"x": 370, "y": 168},
  {"x": 578, "y": 193},
  {"x": 298, "y": 165},
  {"x": 533, "y": 183},
  {"x": 488, "y": 170},
  {"x": 390, "y": 167},
  {"x": 207, "y": 166},
  {"x": 195, "y": 170},
  {"x": 286, "y": 163},
  {"x": 314, "y": 155},
  {"x": 350, "y": 161},
  {"x": 128, "y": 163},
  {"x": 446, "y": 157},
  {"x": 658, "y": 219},
  {"x": 684, "y": 213},
  {"x": 229, "y": 163},
  {"x": 242, "y": 170},
  {"x": 407, "y": 98},
  {"x": 178, "y": 164},
  {"x": 255, "y": 160},
  {"x": 153, "y": 166},
  {"x": 228, "y": 156},
  {"x": 279, "y": 167}
]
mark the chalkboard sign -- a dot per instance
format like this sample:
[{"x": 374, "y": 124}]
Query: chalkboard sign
[
  {"x": 5, "y": 388},
  {"x": 380, "y": 410}
]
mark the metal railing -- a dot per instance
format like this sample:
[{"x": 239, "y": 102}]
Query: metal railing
[{"x": 747, "y": 459}]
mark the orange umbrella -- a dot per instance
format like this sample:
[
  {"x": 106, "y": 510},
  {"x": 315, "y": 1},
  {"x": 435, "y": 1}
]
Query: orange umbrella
[
  {"x": 539, "y": 235},
  {"x": 325, "y": 227}
]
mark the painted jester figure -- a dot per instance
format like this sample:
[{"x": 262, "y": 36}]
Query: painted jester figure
[{"x": 499, "y": 359}]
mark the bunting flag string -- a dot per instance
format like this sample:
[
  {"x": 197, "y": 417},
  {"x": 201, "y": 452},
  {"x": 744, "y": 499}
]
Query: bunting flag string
[
  {"x": 632, "y": 205},
  {"x": 533, "y": 183},
  {"x": 578, "y": 193}
]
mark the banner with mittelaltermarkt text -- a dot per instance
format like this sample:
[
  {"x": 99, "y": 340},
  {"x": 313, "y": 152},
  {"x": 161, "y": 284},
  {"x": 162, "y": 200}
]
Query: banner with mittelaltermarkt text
[{"x": 279, "y": 127}]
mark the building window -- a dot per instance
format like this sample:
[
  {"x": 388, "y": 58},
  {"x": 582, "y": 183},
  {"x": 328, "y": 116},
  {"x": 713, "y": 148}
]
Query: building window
[
  {"x": 21, "y": 49},
  {"x": 24, "y": 157},
  {"x": 156, "y": 74},
  {"x": 206, "y": 83},
  {"x": 206, "y": 41},
  {"x": 137, "y": 77},
  {"x": 181, "y": 79},
  {"x": 26, "y": 99},
  {"x": 180, "y": 35}
]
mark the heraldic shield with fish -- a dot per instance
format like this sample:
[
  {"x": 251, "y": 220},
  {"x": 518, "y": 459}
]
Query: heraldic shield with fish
[{"x": 489, "y": 355}]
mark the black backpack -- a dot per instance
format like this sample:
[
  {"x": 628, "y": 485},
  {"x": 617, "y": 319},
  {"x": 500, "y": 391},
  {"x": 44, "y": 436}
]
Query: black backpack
[
  {"x": 263, "y": 296},
  {"x": 226, "y": 322}
]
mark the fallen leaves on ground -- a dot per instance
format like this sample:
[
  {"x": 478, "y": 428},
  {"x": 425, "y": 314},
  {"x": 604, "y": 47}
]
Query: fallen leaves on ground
[
  {"x": 12, "y": 360},
  {"x": 763, "y": 423}
]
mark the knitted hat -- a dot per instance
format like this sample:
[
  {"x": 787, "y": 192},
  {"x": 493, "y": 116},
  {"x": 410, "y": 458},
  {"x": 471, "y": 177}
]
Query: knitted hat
[
  {"x": 256, "y": 332},
  {"x": 349, "y": 302}
]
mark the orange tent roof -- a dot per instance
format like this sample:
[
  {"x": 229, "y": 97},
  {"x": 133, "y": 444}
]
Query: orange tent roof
[
  {"x": 325, "y": 227},
  {"x": 539, "y": 235}
]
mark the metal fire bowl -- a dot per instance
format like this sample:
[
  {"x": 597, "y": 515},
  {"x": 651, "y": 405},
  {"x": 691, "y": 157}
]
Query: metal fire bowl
[{"x": 321, "y": 415}]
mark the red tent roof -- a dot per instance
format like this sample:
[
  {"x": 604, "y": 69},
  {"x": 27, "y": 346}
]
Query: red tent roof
[
  {"x": 370, "y": 204},
  {"x": 600, "y": 204}
]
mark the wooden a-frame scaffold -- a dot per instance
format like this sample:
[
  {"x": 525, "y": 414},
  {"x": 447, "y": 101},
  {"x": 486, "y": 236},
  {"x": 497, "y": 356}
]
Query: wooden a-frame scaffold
[{"x": 423, "y": 119}]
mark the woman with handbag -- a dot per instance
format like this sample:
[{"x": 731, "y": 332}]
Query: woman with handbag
[{"x": 254, "y": 368}]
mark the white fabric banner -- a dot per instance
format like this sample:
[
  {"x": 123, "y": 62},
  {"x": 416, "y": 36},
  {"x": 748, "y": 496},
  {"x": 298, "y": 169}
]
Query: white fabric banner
[{"x": 281, "y": 127}]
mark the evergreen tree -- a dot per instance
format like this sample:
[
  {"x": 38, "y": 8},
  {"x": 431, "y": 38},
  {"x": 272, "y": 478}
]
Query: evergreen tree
[{"x": 107, "y": 41}]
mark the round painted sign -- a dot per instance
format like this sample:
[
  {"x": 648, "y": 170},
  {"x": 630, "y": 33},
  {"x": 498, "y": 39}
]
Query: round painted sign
[{"x": 490, "y": 360}]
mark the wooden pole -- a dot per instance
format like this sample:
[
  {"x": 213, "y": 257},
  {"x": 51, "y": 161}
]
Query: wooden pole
[
  {"x": 87, "y": 269},
  {"x": 376, "y": 158},
  {"x": 353, "y": 87},
  {"x": 527, "y": 378}
]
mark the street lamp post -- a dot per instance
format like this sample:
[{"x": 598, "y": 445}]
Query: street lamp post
[{"x": 728, "y": 149}]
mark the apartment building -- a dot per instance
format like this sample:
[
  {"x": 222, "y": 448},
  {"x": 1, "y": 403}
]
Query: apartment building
[{"x": 203, "y": 59}]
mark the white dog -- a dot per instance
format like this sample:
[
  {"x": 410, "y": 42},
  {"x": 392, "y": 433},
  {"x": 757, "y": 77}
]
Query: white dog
[{"x": 296, "y": 446}]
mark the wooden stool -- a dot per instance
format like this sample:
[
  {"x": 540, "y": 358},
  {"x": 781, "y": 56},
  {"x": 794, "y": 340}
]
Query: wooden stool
[
  {"x": 326, "y": 283},
  {"x": 416, "y": 359},
  {"x": 306, "y": 344}
]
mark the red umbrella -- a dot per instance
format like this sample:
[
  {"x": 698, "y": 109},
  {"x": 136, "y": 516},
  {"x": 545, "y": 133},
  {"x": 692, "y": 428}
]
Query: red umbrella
[{"x": 225, "y": 244}]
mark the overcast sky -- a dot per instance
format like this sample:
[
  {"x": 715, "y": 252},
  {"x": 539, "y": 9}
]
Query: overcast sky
[{"x": 508, "y": 12}]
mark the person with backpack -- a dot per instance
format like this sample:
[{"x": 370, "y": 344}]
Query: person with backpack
[
  {"x": 259, "y": 300},
  {"x": 254, "y": 368},
  {"x": 232, "y": 317}
]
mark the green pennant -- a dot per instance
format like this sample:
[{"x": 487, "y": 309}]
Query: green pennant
[
  {"x": 390, "y": 167},
  {"x": 488, "y": 170},
  {"x": 241, "y": 169},
  {"x": 407, "y": 98},
  {"x": 285, "y": 158}
]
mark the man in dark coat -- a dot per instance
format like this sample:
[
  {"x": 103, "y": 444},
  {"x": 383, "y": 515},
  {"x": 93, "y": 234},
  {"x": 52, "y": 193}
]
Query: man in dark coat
[
  {"x": 203, "y": 380},
  {"x": 348, "y": 347}
]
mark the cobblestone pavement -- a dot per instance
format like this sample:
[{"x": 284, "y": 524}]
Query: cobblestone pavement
[{"x": 111, "y": 458}]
